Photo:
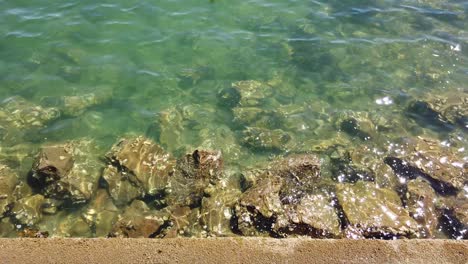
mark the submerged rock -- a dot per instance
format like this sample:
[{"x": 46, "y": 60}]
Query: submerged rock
[
  {"x": 8, "y": 183},
  {"x": 420, "y": 202},
  {"x": 453, "y": 220},
  {"x": 78, "y": 104},
  {"x": 217, "y": 208},
  {"x": 138, "y": 221},
  {"x": 194, "y": 173},
  {"x": 284, "y": 201},
  {"x": 361, "y": 163},
  {"x": 120, "y": 187},
  {"x": 68, "y": 171},
  {"x": 72, "y": 225},
  {"x": 314, "y": 216},
  {"x": 176, "y": 127},
  {"x": 33, "y": 233},
  {"x": 300, "y": 172},
  {"x": 375, "y": 212},
  {"x": 252, "y": 93},
  {"x": 16, "y": 112},
  {"x": 170, "y": 128},
  {"x": 257, "y": 117},
  {"x": 19, "y": 117},
  {"x": 51, "y": 206},
  {"x": 145, "y": 163},
  {"x": 442, "y": 110},
  {"x": 182, "y": 221},
  {"x": 28, "y": 211},
  {"x": 101, "y": 214},
  {"x": 7, "y": 229},
  {"x": 222, "y": 138},
  {"x": 258, "y": 205},
  {"x": 259, "y": 138},
  {"x": 440, "y": 165},
  {"x": 19, "y": 156}
]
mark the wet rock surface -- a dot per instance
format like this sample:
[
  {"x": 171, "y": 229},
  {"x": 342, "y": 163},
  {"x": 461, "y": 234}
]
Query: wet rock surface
[
  {"x": 27, "y": 211},
  {"x": 194, "y": 173},
  {"x": 19, "y": 117},
  {"x": 446, "y": 109},
  {"x": 265, "y": 139},
  {"x": 442, "y": 166},
  {"x": 145, "y": 163},
  {"x": 67, "y": 171},
  {"x": 8, "y": 182},
  {"x": 284, "y": 202},
  {"x": 420, "y": 201},
  {"x": 138, "y": 220},
  {"x": 375, "y": 212},
  {"x": 356, "y": 185}
]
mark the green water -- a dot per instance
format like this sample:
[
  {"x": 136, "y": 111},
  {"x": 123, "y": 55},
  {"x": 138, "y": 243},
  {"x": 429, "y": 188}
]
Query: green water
[{"x": 160, "y": 69}]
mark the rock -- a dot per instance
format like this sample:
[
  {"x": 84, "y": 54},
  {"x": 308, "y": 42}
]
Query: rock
[
  {"x": 78, "y": 104},
  {"x": 300, "y": 172},
  {"x": 453, "y": 220},
  {"x": 217, "y": 210},
  {"x": 259, "y": 138},
  {"x": 101, "y": 214},
  {"x": 147, "y": 164},
  {"x": 361, "y": 163},
  {"x": 444, "y": 109},
  {"x": 19, "y": 118},
  {"x": 51, "y": 206},
  {"x": 18, "y": 113},
  {"x": 258, "y": 205},
  {"x": 183, "y": 221},
  {"x": 28, "y": 211},
  {"x": 283, "y": 201},
  {"x": 314, "y": 216},
  {"x": 257, "y": 117},
  {"x": 19, "y": 156},
  {"x": 194, "y": 173},
  {"x": 222, "y": 138},
  {"x": 228, "y": 97},
  {"x": 461, "y": 209},
  {"x": 68, "y": 171},
  {"x": 170, "y": 129},
  {"x": 191, "y": 76},
  {"x": 375, "y": 212},
  {"x": 252, "y": 93},
  {"x": 7, "y": 229},
  {"x": 119, "y": 186},
  {"x": 367, "y": 126},
  {"x": 202, "y": 164},
  {"x": 420, "y": 204},
  {"x": 442, "y": 166},
  {"x": 8, "y": 183},
  {"x": 33, "y": 233},
  {"x": 139, "y": 221},
  {"x": 72, "y": 225}
]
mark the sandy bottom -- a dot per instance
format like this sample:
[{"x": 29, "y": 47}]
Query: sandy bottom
[{"x": 231, "y": 250}]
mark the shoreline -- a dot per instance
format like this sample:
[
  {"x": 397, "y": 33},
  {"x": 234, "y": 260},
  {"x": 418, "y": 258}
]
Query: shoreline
[{"x": 231, "y": 250}]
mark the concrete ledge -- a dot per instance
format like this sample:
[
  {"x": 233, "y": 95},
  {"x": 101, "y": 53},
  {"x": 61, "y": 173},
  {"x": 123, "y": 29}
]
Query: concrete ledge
[{"x": 231, "y": 250}]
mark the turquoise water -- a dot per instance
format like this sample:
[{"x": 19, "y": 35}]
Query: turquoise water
[{"x": 166, "y": 70}]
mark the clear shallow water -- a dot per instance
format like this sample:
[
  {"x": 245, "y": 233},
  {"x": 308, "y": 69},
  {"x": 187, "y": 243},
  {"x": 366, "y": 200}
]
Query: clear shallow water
[{"x": 162, "y": 70}]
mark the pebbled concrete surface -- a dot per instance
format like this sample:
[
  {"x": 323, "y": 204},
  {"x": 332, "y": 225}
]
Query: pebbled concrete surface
[{"x": 231, "y": 250}]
